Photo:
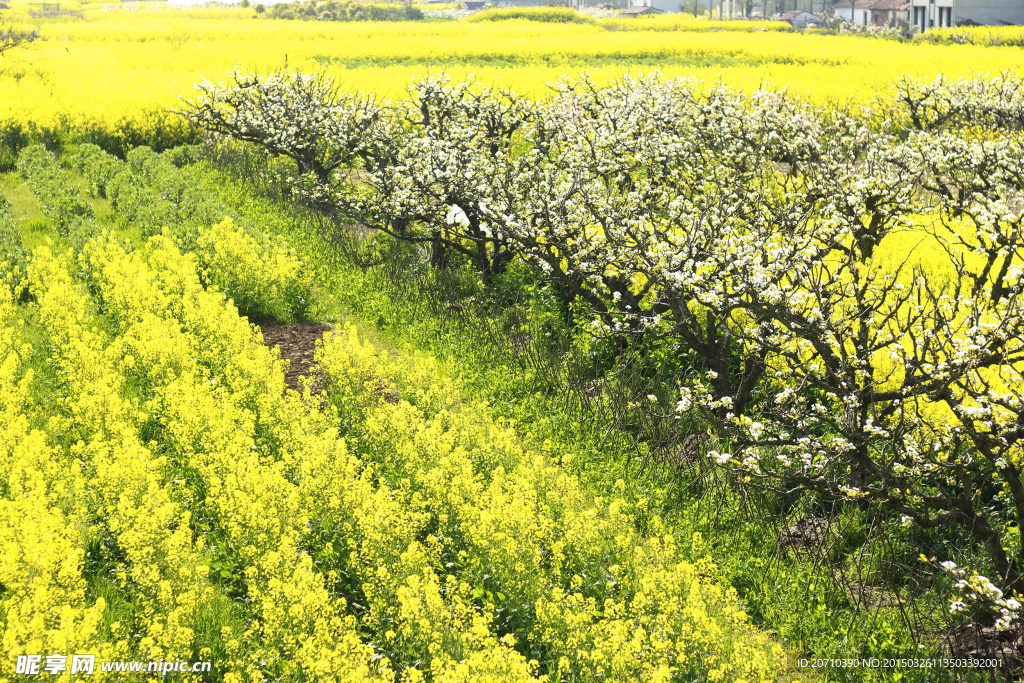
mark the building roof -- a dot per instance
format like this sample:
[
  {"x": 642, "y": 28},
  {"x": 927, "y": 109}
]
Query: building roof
[
  {"x": 641, "y": 10},
  {"x": 793, "y": 14},
  {"x": 890, "y": 4},
  {"x": 874, "y": 4}
]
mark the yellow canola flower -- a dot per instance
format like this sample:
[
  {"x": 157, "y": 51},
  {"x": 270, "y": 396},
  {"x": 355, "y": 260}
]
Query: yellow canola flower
[
  {"x": 296, "y": 626},
  {"x": 42, "y": 520},
  {"x": 128, "y": 498},
  {"x": 158, "y": 57},
  {"x": 299, "y": 508},
  {"x": 267, "y": 282},
  {"x": 531, "y": 538},
  {"x": 266, "y": 505},
  {"x": 316, "y": 482}
]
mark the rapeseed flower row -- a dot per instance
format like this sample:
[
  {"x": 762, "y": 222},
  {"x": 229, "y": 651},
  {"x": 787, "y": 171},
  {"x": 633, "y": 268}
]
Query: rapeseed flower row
[
  {"x": 149, "y": 192},
  {"x": 42, "y": 544},
  {"x": 128, "y": 499},
  {"x": 12, "y": 251},
  {"x": 210, "y": 438},
  {"x": 264, "y": 283},
  {"x": 408, "y": 601},
  {"x": 434, "y": 547},
  {"x": 995, "y": 36},
  {"x": 568, "y": 575},
  {"x": 98, "y": 167},
  {"x": 215, "y": 389},
  {"x": 60, "y": 199}
]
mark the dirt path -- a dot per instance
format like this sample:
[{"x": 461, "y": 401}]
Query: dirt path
[{"x": 297, "y": 343}]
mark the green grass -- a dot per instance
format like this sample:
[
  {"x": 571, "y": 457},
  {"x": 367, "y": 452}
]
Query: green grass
[{"x": 24, "y": 205}]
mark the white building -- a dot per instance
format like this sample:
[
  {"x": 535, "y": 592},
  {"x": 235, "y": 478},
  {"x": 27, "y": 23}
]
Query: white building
[
  {"x": 719, "y": 8},
  {"x": 926, "y": 14},
  {"x": 662, "y": 5},
  {"x": 799, "y": 18},
  {"x": 853, "y": 11},
  {"x": 874, "y": 12}
]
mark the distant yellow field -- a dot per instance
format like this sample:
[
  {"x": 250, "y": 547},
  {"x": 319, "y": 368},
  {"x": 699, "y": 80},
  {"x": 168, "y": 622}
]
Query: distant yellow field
[
  {"x": 117, "y": 64},
  {"x": 978, "y": 35}
]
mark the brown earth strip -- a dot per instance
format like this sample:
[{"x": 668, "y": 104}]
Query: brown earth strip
[{"x": 297, "y": 343}]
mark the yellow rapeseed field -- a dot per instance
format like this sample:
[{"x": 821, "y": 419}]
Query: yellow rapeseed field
[
  {"x": 115, "y": 64},
  {"x": 165, "y": 497}
]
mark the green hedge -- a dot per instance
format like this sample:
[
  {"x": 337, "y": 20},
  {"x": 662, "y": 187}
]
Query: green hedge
[
  {"x": 556, "y": 15},
  {"x": 343, "y": 11}
]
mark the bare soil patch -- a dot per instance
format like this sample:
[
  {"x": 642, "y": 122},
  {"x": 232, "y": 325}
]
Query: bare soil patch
[{"x": 297, "y": 343}]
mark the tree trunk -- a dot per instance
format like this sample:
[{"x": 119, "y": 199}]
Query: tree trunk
[{"x": 438, "y": 253}]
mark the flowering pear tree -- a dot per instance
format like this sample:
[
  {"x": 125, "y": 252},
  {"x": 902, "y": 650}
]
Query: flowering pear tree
[
  {"x": 945, "y": 104},
  {"x": 462, "y": 134},
  {"x": 873, "y": 380},
  {"x": 423, "y": 171},
  {"x": 888, "y": 384},
  {"x": 646, "y": 190},
  {"x": 302, "y": 116},
  {"x": 759, "y": 232},
  {"x": 12, "y": 37}
]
